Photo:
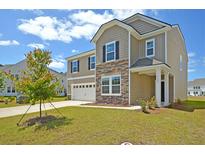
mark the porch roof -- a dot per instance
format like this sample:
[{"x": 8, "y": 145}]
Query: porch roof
[
  {"x": 141, "y": 62},
  {"x": 148, "y": 65}
]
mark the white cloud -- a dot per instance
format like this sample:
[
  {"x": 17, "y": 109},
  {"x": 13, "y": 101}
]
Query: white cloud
[
  {"x": 58, "y": 62},
  {"x": 74, "y": 51},
  {"x": 191, "y": 70},
  {"x": 47, "y": 28},
  {"x": 8, "y": 42},
  {"x": 90, "y": 17},
  {"x": 124, "y": 13},
  {"x": 37, "y": 12},
  {"x": 191, "y": 54},
  {"x": 81, "y": 24},
  {"x": 36, "y": 45},
  {"x": 192, "y": 62}
]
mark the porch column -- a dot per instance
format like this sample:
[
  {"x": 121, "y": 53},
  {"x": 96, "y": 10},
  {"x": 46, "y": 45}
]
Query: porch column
[
  {"x": 166, "y": 80},
  {"x": 158, "y": 87}
]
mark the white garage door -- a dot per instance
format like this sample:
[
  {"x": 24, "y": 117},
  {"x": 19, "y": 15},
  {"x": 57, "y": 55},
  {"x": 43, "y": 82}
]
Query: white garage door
[{"x": 84, "y": 92}]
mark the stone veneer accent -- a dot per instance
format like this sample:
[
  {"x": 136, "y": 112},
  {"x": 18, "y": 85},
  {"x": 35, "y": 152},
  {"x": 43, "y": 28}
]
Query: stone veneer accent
[{"x": 113, "y": 68}]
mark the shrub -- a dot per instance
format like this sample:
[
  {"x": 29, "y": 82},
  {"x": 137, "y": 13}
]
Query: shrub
[
  {"x": 152, "y": 102},
  {"x": 144, "y": 104},
  {"x": 22, "y": 100},
  {"x": 178, "y": 101}
]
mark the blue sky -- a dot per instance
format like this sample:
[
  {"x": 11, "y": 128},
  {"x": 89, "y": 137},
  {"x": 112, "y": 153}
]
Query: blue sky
[{"x": 68, "y": 32}]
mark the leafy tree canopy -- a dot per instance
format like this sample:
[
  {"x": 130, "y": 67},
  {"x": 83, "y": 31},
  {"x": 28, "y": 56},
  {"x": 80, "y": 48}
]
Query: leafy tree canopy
[{"x": 37, "y": 82}]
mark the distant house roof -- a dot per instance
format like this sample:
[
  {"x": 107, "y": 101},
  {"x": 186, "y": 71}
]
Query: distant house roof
[
  {"x": 85, "y": 53},
  {"x": 199, "y": 82},
  {"x": 146, "y": 62}
]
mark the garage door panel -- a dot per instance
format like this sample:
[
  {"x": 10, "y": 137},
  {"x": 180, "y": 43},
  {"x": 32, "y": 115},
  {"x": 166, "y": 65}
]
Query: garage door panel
[{"x": 84, "y": 92}]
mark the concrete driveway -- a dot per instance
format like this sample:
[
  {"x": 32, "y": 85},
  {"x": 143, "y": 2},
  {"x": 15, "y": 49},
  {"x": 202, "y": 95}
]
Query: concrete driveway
[{"x": 12, "y": 111}]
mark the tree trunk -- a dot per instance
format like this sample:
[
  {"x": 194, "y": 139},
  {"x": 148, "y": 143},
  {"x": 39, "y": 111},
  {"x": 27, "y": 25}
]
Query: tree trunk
[{"x": 40, "y": 109}]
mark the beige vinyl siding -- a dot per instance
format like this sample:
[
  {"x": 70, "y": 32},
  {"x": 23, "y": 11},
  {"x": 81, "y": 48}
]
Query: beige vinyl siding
[
  {"x": 138, "y": 48},
  {"x": 114, "y": 33},
  {"x": 78, "y": 81},
  {"x": 143, "y": 27},
  {"x": 142, "y": 87},
  {"x": 175, "y": 47},
  {"x": 83, "y": 67}
]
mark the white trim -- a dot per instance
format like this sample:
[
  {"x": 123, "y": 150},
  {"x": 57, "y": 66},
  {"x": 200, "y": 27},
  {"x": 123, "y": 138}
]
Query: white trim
[
  {"x": 82, "y": 83},
  {"x": 80, "y": 55},
  {"x": 165, "y": 45},
  {"x": 113, "y": 42},
  {"x": 129, "y": 51},
  {"x": 90, "y": 62},
  {"x": 154, "y": 33},
  {"x": 174, "y": 97},
  {"x": 144, "y": 68},
  {"x": 81, "y": 77},
  {"x": 110, "y": 85},
  {"x": 150, "y": 40}
]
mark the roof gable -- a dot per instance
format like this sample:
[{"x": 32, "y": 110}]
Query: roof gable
[
  {"x": 147, "y": 19},
  {"x": 112, "y": 23}
]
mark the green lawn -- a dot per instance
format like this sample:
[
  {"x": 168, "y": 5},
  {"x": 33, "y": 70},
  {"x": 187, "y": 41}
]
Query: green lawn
[
  {"x": 110, "y": 126},
  {"x": 13, "y": 103}
]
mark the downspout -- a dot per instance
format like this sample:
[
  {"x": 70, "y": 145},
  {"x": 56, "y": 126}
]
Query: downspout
[{"x": 129, "y": 51}]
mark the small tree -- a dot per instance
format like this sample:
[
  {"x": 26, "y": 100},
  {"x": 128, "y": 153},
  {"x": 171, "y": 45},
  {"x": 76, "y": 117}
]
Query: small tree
[{"x": 37, "y": 83}]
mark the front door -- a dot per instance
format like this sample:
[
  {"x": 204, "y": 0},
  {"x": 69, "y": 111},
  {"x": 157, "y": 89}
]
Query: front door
[{"x": 162, "y": 92}]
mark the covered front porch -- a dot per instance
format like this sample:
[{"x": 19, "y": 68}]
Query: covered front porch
[{"x": 149, "y": 81}]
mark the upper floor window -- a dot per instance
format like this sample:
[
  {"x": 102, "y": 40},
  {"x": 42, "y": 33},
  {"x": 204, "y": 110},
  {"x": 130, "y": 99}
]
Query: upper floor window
[
  {"x": 181, "y": 63},
  {"x": 91, "y": 62},
  {"x": 75, "y": 66},
  {"x": 150, "y": 48},
  {"x": 110, "y": 51}
]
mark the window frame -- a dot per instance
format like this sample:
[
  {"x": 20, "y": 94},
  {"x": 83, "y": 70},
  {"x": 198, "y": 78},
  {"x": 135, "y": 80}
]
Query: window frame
[
  {"x": 75, "y": 61},
  {"x": 110, "y": 86},
  {"x": 112, "y": 42},
  {"x": 92, "y": 62},
  {"x": 146, "y": 47}
]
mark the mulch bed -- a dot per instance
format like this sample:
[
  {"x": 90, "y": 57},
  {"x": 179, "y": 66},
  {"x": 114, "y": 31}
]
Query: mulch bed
[{"x": 37, "y": 120}]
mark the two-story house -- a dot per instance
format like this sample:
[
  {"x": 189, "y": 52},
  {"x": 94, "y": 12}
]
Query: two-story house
[
  {"x": 196, "y": 87},
  {"x": 16, "y": 71},
  {"x": 136, "y": 58}
]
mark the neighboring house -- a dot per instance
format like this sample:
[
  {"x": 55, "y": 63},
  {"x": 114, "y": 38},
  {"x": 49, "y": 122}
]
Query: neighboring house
[
  {"x": 196, "y": 87},
  {"x": 136, "y": 58},
  {"x": 16, "y": 71}
]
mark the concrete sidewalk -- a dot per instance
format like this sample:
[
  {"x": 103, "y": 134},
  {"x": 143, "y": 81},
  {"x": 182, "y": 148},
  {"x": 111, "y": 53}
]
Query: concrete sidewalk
[{"x": 12, "y": 111}]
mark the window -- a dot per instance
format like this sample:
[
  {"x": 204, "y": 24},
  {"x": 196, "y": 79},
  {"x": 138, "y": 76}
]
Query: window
[
  {"x": 17, "y": 77},
  {"x": 106, "y": 85},
  {"x": 110, "y": 51},
  {"x": 150, "y": 48},
  {"x": 8, "y": 89},
  {"x": 74, "y": 66},
  {"x": 116, "y": 85},
  {"x": 181, "y": 63},
  {"x": 111, "y": 85},
  {"x": 92, "y": 62},
  {"x": 13, "y": 89}
]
